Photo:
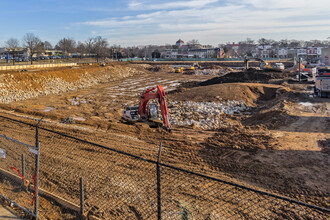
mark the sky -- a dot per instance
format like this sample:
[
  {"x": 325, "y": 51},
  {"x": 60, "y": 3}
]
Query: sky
[{"x": 145, "y": 22}]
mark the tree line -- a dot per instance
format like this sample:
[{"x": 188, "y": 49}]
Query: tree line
[{"x": 99, "y": 46}]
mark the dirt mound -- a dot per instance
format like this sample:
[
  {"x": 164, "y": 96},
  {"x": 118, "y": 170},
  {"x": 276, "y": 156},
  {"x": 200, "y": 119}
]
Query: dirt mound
[
  {"x": 270, "y": 119},
  {"x": 247, "y": 76},
  {"x": 239, "y": 138},
  {"x": 247, "y": 92},
  {"x": 162, "y": 68}
]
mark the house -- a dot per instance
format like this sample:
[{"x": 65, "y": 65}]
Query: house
[
  {"x": 19, "y": 52},
  {"x": 282, "y": 53},
  {"x": 301, "y": 52},
  {"x": 266, "y": 51},
  {"x": 203, "y": 53},
  {"x": 325, "y": 56},
  {"x": 192, "y": 53}
]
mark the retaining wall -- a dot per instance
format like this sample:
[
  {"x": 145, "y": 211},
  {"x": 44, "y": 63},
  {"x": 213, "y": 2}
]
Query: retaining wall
[{"x": 16, "y": 67}]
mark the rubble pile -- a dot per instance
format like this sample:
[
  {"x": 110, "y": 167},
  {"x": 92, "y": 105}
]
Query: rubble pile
[
  {"x": 214, "y": 72},
  {"x": 204, "y": 115},
  {"x": 162, "y": 68}
]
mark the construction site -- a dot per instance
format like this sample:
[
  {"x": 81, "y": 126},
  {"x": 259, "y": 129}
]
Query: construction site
[{"x": 254, "y": 127}]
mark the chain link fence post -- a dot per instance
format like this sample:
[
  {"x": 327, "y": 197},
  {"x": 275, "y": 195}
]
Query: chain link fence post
[
  {"x": 23, "y": 168},
  {"x": 82, "y": 201},
  {"x": 36, "y": 202},
  {"x": 159, "y": 195}
]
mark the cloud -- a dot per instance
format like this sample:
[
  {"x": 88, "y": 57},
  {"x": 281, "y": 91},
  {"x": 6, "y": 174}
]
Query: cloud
[
  {"x": 285, "y": 4},
  {"x": 135, "y": 5},
  {"x": 209, "y": 20}
]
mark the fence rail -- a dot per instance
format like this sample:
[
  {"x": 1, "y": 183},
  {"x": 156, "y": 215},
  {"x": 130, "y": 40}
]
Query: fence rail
[{"x": 115, "y": 184}]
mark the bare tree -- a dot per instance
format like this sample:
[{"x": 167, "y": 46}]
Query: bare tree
[
  {"x": 294, "y": 43},
  {"x": 67, "y": 45},
  {"x": 47, "y": 45},
  {"x": 89, "y": 45},
  {"x": 81, "y": 48},
  {"x": 33, "y": 44},
  {"x": 245, "y": 48},
  {"x": 317, "y": 43},
  {"x": 116, "y": 52},
  {"x": 263, "y": 41},
  {"x": 249, "y": 41},
  {"x": 100, "y": 47},
  {"x": 13, "y": 46},
  {"x": 193, "y": 44},
  {"x": 284, "y": 43}
]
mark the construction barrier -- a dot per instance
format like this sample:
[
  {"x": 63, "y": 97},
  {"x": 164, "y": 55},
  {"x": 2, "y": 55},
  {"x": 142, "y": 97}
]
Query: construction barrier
[{"x": 36, "y": 66}]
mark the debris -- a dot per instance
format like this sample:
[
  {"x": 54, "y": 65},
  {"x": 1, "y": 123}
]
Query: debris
[
  {"x": 68, "y": 120},
  {"x": 204, "y": 115}
]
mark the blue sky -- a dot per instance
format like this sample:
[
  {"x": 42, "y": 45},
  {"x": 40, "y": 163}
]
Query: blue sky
[{"x": 142, "y": 22}]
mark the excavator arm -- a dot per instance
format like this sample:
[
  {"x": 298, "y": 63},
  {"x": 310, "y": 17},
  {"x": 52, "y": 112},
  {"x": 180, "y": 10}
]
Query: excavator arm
[
  {"x": 160, "y": 95},
  {"x": 247, "y": 60}
]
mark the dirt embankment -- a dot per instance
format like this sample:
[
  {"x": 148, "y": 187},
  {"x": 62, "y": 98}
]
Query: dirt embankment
[
  {"x": 247, "y": 92},
  {"x": 18, "y": 85}
]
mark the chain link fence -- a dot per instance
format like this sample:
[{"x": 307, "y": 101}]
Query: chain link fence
[
  {"x": 18, "y": 173},
  {"x": 106, "y": 183}
]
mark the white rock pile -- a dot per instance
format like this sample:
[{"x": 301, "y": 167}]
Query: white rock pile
[
  {"x": 204, "y": 115},
  {"x": 213, "y": 72}
]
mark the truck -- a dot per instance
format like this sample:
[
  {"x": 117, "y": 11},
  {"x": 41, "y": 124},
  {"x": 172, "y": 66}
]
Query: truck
[{"x": 322, "y": 83}]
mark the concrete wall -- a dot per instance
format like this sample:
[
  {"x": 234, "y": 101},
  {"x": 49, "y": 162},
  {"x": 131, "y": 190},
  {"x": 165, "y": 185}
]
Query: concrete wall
[{"x": 16, "y": 67}]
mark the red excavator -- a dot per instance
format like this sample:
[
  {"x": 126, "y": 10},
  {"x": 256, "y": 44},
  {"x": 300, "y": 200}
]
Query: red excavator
[{"x": 148, "y": 111}]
